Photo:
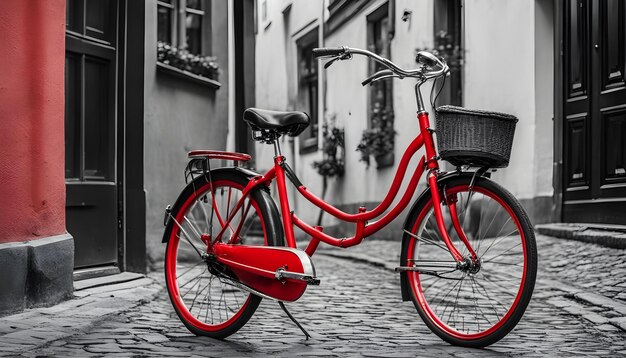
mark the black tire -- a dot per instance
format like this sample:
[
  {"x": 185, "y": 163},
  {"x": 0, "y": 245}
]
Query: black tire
[
  {"x": 510, "y": 282},
  {"x": 195, "y": 195}
]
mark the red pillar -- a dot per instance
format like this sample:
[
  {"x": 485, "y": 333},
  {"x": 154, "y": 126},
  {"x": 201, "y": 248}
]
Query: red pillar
[{"x": 32, "y": 162}]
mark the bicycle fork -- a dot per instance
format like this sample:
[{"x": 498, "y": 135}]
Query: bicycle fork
[{"x": 459, "y": 262}]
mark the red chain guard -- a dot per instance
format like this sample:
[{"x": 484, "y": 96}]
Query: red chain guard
[{"x": 255, "y": 266}]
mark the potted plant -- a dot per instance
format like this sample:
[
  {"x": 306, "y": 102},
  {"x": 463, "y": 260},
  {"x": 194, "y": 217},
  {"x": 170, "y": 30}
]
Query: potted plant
[
  {"x": 204, "y": 66},
  {"x": 378, "y": 141},
  {"x": 332, "y": 163}
]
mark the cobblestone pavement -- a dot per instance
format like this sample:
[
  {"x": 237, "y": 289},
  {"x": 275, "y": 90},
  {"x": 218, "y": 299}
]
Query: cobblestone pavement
[{"x": 578, "y": 308}]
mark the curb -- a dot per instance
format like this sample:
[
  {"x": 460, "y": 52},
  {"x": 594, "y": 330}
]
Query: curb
[
  {"x": 37, "y": 328},
  {"x": 608, "y": 236}
]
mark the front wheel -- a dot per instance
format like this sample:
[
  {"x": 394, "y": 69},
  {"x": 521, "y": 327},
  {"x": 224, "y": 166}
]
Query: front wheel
[{"x": 472, "y": 307}]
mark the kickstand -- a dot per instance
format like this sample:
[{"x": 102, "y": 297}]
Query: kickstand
[{"x": 282, "y": 305}]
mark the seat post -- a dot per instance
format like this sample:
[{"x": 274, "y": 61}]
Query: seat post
[{"x": 277, "y": 152}]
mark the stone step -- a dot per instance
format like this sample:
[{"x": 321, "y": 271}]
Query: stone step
[
  {"x": 613, "y": 236},
  {"x": 106, "y": 280}
]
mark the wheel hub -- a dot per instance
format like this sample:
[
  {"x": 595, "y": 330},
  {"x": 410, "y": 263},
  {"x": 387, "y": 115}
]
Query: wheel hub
[{"x": 470, "y": 266}]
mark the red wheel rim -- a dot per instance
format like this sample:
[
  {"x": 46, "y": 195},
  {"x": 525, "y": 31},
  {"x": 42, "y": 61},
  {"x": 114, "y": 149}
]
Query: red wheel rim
[{"x": 415, "y": 282}]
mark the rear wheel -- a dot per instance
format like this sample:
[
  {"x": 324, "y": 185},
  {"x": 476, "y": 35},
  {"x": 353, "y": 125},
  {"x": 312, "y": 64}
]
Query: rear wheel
[
  {"x": 202, "y": 295},
  {"x": 473, "y": 307}
]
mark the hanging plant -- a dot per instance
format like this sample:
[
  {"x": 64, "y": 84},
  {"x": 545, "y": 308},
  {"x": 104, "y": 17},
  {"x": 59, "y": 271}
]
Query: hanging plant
[
  {"x": 205, "y": 66},
  {"x": 332, "y": 163},
  {"x": 378, "y": 141}
]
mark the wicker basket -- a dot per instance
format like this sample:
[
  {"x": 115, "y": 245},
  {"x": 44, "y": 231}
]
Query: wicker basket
[{"x": 475, "y": 138}]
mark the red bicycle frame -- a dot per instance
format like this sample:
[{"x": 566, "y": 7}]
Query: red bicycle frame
[{"x": 363, "y": 227}]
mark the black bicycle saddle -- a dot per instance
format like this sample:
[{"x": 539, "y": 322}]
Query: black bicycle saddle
[{"x": 290, "y": 123}]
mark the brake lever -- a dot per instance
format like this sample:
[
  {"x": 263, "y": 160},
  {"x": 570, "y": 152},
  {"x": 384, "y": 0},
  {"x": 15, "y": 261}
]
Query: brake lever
[
  {"x": 382, "y": 78},
  {"x": 345, "y": 56},
  {"x": 329, "y": 63}
]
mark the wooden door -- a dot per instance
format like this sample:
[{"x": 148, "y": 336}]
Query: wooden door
[
  {"x": 594, "y": 111},
  {"x": 90, "y": 130}
]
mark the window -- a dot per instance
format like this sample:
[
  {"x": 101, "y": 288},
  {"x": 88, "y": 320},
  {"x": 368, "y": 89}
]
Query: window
[
  {"x": 307, "y": 88},
  {"x": 184, "y": 24},
  {"x": 165, "y": 20},
  {"x": 447, "y": 29},
  {"x": 379, "y": 41}
]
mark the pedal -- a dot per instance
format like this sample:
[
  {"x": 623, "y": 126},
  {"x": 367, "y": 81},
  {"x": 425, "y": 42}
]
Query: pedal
[{"x": 282, "y": 274}]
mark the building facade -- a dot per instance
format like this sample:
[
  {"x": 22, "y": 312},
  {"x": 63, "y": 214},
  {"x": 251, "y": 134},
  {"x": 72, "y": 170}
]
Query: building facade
[
  {"x": 36, "y": 252},
  {"x": 557, "y": 65},
  {"x": 100, "y": 103}
]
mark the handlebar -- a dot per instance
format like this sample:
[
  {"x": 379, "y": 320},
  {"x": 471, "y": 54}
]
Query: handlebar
[
  {"x": 328, "y": 51},
  {"x": 432, "y": 67}
]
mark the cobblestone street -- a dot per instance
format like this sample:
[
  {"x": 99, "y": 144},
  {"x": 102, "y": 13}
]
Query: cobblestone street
[{"x": 578, "y": 307}]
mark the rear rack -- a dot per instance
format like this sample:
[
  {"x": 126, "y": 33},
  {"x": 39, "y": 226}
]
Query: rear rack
[
  {"x": 200, "y": 161},
  {"x": 216, "y": 154}
]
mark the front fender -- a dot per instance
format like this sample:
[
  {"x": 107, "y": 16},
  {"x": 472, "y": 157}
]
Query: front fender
[
  {"x": 247, "y": 174},
  {"x": 410, "y": 220}
]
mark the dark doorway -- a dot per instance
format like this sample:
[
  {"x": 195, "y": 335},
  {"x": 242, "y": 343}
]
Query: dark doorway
[
  {"x": 244, "y": 33},
  {"x": 593, "y": 120},
  {"x": 91, "y": 172}
]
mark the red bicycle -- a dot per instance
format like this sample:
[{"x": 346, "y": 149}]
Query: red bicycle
[{"x": 468, "y": 259}]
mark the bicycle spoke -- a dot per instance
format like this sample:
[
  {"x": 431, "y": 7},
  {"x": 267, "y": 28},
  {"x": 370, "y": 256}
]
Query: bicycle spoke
[
  {"x": 505, "y": 263},
  {"x": 491, "y": 300},
  {"x": 488, "y": 226},
  {"x": 432, "y": 283},
  {"x": 210, "y": 304},
  {"x": 448, "y": 293},
  {"x": 199, "y": 279},
  {"x": 427, "y": 241},
  {"x": 479, "y": 308},
  {"x": 511, "y": 248},
  {"x": 208, "y": 301},
  {"x": 497, "y": 236},
  {"x": 475, "y": 303},
  {"x": 456, "y": 300},
  {"x": 193, "y": 302},
  {"x": 498, "y": 285},
  {"x": 191, "y": 268},
  {"x": 223, "y": 299}
]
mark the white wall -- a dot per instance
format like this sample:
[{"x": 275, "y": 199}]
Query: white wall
[{"x": 508, "y": 68}]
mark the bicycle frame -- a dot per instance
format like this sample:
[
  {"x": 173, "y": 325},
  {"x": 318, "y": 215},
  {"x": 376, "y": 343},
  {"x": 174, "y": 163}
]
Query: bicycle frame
[{"x": 281, "y": 169}]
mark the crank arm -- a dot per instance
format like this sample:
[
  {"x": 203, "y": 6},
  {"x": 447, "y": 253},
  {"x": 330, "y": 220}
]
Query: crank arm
[{"x": 282, "y": 274}]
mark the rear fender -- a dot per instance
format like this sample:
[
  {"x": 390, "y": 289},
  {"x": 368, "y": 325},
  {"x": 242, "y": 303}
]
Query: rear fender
[{"x": 245, "y": 174}]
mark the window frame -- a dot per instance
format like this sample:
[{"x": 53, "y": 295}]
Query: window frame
[
  {"x": 374, "y": 20},
  {"x": 308, "y": 86},
  {"x": 178, "y": 28}
]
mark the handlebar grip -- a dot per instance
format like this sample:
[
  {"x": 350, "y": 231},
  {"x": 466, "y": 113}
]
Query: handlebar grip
[{"x": 327, "y": 51}]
